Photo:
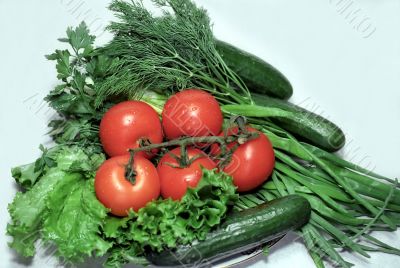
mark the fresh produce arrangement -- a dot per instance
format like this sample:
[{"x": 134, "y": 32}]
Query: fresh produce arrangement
[{"x": 175, "y": 148}]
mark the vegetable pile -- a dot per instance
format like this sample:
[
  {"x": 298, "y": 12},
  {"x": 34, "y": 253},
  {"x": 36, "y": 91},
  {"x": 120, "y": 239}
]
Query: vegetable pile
[{"x": 162, "y": 134}]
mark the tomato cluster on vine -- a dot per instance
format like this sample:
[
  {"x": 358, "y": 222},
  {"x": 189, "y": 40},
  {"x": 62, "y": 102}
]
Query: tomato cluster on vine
[{"x": 141, "y": 167}]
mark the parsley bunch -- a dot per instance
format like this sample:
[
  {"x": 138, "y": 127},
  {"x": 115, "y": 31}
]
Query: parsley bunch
[{"x": 79, "y": 69}]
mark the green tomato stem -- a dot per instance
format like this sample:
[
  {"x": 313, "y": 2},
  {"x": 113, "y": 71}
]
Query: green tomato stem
[{"x": 183, "y": 142}]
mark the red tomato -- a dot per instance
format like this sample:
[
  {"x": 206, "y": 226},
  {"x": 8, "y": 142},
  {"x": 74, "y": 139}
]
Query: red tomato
[
  {"x": 191, "y": 112},
  {"x": 115, "y": 192},
  {"x": 125, "y": 124},
  {"x": 174, "y": 180},
  {"x": 252, "y": 162}
]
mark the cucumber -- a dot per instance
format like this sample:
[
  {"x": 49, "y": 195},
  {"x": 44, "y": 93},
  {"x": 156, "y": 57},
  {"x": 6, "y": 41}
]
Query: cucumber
[
  {"x": 241, "y": 231},
  {"x": 258, "y": 75},
  {"x": 311, "y": 127}
]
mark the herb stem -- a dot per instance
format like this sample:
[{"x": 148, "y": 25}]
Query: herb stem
[{"x": 207, "y": 78}]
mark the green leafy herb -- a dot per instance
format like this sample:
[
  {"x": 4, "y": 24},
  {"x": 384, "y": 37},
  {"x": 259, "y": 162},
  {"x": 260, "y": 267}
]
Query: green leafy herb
[
  {"x": 166, "y": 53},
  {"x": 78, "y": 69},
  {"x": 44, "y": 160}
]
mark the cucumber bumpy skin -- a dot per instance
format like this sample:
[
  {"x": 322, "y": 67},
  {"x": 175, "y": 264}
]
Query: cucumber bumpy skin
[
  {"x": 241, "y": 231},
  {"x": 258, "y": 75},
  {"x": 311, "y": 127}
]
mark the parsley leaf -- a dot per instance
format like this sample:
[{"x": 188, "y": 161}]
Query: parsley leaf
[
  {"x": 78, "y": 68},
  {"x": 80, "y": 38}
]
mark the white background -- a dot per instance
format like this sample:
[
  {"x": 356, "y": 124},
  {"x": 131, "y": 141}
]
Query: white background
[{"x": 346, "y": 67}]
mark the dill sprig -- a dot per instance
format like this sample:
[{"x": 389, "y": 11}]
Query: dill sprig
[{"x": 166, "y": 53}]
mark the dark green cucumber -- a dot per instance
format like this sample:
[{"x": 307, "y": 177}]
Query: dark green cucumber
[
  {"x": 258, "y": 75},
  {"x": 241, "y": 231},
  {"x": 311, "y": 127}
]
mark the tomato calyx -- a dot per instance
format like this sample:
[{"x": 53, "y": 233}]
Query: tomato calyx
[
  {"x": 243, "y": 133},
  {"x": 130, "y": 173},
  {"x": 175, "y": 181},
  {"x": 183, "y": 160},
  {"x": 144, "y": 142}
]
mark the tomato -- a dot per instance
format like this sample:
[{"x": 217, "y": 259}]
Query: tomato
[
  {"x": 252, "y": 162},
  {"x": 175, "y": 180},
  {"x": 191, "y": 112},
  {"x": 115, "y": 192},
  {"x": 126, "y": 124}
]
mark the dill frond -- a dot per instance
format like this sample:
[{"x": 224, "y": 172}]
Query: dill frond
[{"x": 166, "y": 53}]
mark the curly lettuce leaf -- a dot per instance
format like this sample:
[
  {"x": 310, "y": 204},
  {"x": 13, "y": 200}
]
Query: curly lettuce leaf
[
  {"x": 61, "y": 198},
  {"x": 167, "y": 223},
  {"x": 66, "y": 158},
  {"x": 25, "y": 175},
  {"x": 61, "y": 208},
  {"x": 28, "y": 210},
  {"x": 121, "y": 255},
  {"x": 75, "y": 159},
  {"x": 74, "y": 219}
]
